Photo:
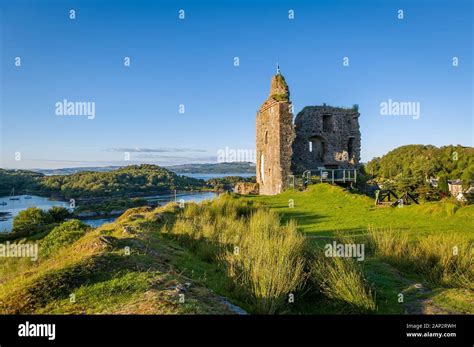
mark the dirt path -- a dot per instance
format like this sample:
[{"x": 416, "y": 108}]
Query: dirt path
[{"x": 417, "y": 296}]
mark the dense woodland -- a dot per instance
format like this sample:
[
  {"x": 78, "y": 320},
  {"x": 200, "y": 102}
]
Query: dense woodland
[
  {"x": 22, "y": 180},
  {"x": 409, "y": 167},
  {"x": 135, "y": 179}
]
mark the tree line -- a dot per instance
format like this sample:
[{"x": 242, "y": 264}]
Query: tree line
[
  {"x": 409, "y": 168},
  {"x": 134, "y": 179}
]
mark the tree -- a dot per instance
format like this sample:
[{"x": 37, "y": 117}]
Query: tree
[
  {"x": 30, "y": 221},
  {"x": 427, "y": 192},
  {"x": 59, "y": 214},
  {"x": 408, "y": 167},
  {"x": 467, "y": 177},
  {"x": 443, "y": 184}
]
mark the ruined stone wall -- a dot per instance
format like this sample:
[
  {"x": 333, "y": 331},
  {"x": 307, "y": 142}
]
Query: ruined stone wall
[
  {"x": 246, "y": 188},
  {"x": 334, "y": 135},
  {"x": 275, "y": 134}
]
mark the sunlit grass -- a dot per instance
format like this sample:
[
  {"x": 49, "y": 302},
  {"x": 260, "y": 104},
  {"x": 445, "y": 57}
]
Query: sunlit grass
[{"x": 443, "y": 259}]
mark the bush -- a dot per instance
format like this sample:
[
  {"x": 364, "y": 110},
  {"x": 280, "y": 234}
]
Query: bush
[
  {"x": 64, "y": 234},
  {"x": 59, "y": 214},
  {"x": 30, "y": 221},
  {"x": 263, "y": 260},
  {"x": 270, "y": 261},
  {"x": 342, "y": 279}
]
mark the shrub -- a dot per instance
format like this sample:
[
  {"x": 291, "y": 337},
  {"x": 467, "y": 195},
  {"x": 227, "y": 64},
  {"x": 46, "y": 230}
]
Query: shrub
[
  {"x": 62, "y": 235},
  {"x": 59, "y": 214},
  {"x": 270, "y": 261},
  {"x": 342, "y": 279},
  {"x": 389, "y": 244},
  {"x": 30, "y": 221}
]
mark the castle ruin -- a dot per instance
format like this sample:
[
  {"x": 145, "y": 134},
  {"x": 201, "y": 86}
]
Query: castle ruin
[
  {"x": 322, "y": 137},
  {"x": 275, "y": 135}
]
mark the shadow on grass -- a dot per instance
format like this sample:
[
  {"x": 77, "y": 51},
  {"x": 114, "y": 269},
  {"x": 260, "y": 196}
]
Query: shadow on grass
[{"x": 59, "y": 284}]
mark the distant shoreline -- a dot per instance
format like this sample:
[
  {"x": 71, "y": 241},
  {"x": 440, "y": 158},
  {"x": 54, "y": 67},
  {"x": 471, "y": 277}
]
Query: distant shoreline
[{"x": 227, "y": 169}]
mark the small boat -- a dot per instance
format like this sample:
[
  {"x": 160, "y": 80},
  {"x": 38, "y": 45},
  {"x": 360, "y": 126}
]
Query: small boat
[
  {"x": 12, "y": 195},
  {"x": 3, "y": 203},
  {"x": 27, "y": 196}
]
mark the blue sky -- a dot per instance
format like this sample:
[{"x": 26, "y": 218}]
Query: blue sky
[{"x": 191, "y": 62}]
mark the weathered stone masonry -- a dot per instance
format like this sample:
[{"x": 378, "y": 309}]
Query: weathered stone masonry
[
  {"x": 326, "y": 137},
  {"x": 275, "y": 135},
  {"x": 322, "y": 136}
]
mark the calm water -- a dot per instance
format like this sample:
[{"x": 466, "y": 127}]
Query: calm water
[
  {"x": 13, "y": 207},
  {"x": 206, "y": 177}
]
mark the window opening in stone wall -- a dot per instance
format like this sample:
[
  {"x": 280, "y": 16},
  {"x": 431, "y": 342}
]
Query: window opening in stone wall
[{"x": 327, "y": 123}]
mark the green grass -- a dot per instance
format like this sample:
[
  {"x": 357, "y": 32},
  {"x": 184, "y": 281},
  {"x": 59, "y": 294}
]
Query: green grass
[
  {"x": 264, "y": 261},
  {"x": 323, "y": 209},
  {"x": 455, "y": 299},
  {"x": 170, "y": 246},
  {"x": 404, "y": 246},
  {"x": 64, "y": 234},
  {"x": 441, "y": 259},
  {"x": 342, "y": 279},
  {"x": 387, "y": 284},
  {"x": 102, "y": 277}
]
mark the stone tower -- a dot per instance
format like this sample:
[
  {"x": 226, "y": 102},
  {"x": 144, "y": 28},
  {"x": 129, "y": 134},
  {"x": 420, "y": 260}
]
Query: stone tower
[{"x": 275, "y": 135}]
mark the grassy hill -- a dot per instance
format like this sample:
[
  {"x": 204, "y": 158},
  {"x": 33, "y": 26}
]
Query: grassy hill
[
  {"x": 127, "y": 180},
  {"x": 238, "y": 248},
  {"x": 324, "y": 210},
  {"x": 96, "y": 268},
  {"x": 409, "y": 166},
  {"x": 413, "y": 234}
]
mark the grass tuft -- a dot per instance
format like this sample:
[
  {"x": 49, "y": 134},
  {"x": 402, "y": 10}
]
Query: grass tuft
[
  {"x": 342, "y": 279},
  {"x": 263, "y": 260},
  {"x": 442, "y": 259}
]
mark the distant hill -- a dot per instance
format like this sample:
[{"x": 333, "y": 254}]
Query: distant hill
[
  {"x": 218, "y": 168},
  {"x": 21, "y": 180},
  {"x": 129, "y": 180},
  {"x": 73, "y": 170},
  {"x": 411, "y": 165}
]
